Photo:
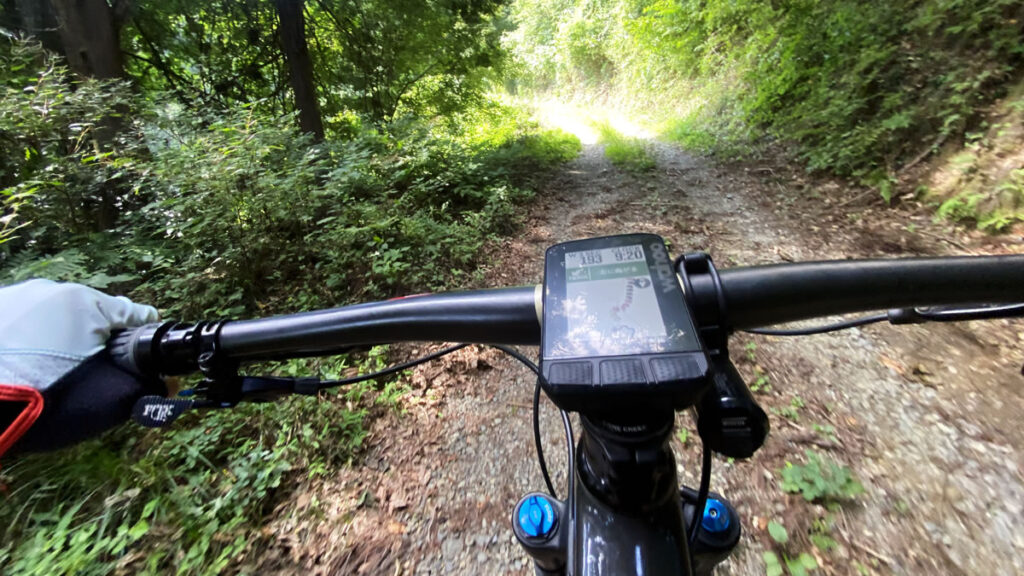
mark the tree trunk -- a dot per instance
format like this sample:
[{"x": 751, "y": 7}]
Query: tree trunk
[
  {"x": 38, "y": 20},
  {"x": 300, "y": 67},
  {"x": 93, "y": 49},
  {"x": 90, "y": 37}
]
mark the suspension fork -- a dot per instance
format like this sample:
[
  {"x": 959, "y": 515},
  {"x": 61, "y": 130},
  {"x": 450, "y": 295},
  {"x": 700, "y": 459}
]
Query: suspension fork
[{"x": 625, "y": 513}]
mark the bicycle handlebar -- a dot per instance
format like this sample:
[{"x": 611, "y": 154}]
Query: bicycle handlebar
[
  {"x": 754, "y": 296},
  {"x": 780, "y": 293},
  {"x": 498, "y": 316}
]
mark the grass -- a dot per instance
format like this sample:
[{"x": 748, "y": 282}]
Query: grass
[
  {"x": 628, "y": 153},
  {"x": 190, "y": 499}
]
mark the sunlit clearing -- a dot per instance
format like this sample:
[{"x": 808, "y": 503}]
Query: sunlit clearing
[
  {"x": 555, "y": 114},
  {"x": 581, "y": 122},
  {"x": 625, "y": 126}
]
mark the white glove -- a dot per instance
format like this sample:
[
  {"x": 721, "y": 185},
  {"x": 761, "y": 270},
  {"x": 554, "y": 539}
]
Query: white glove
[
  {"x": 58, "y": 386},
  {"x": 48, "y": 328}
]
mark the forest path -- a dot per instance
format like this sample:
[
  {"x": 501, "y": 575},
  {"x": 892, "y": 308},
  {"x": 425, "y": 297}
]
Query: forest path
[{"x": 925, "y": 416}]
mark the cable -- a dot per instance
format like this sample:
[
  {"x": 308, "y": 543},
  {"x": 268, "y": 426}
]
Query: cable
[
  {"x": 566, "y": 423},
  {"x": 538, "y": 443},
  {"x": 391, "y": 369},
  {"x": 702, "y": 492},
  {"x": 900, "y": 316},
  {"x": 979, "y": 313},
  {"x": 570, "y": 456},
  {"x": 820, "y": 329}
]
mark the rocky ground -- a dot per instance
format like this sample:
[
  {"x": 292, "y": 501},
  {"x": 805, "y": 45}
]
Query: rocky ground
[{"x": 926, "y": 417}]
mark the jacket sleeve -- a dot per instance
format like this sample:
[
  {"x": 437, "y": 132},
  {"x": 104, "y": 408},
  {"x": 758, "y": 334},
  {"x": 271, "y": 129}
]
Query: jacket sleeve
[
  {"x": 90, "y": 399},
  {"x": 20, "y": 407}
]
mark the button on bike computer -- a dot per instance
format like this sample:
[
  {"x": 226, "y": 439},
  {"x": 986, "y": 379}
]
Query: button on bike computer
[{"x": 617, "y": 334}]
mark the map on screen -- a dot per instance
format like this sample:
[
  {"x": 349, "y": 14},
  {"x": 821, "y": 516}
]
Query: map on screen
[{"x": 610, "y": 304}]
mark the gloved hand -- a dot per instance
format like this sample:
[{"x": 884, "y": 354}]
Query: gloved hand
[{"x": 58, "y": 385}]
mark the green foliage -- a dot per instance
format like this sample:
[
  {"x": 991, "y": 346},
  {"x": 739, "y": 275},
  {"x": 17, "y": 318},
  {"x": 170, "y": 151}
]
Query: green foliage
[
  {"x": 379, "y": 58},
  {"x": 793, "y": 410},
  {"x": 633, "y": 154},
  {"x": 826, "y": 431},
  {"x": 798, "y": 565},
  {"x": 192, "y": 496},
  {"x": 218, "y": 213},
  {"x": 718, "y": 126},
  {"x": 1009, "y": 204},
  {"x": 242, "y": 206},
  {"x": 683, "y": 435},
  {"x": 761, "y": 381},
  {"x": 860, "y": 88},
  {"x": 821, "y": 533},
  {"x": 64, "y": 161},
  {"x": 855, "y": 85},
  {"x": 820, "y": 479},
  {"x": 750, "y": 350},
  {"x": 778, "y": 532},
  {"x": 561, "y": 42},
  {"x": 961, "y": 207},
  {"x": 772, "y": 565}
]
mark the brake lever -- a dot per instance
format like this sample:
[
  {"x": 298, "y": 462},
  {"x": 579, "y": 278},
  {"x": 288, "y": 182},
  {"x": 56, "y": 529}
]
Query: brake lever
[
  {"x": 157, "y": 411},
  {"x": 267, "y": 389}
]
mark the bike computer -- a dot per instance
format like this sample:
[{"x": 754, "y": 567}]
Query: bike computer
[{"x": 617, "y": 333}]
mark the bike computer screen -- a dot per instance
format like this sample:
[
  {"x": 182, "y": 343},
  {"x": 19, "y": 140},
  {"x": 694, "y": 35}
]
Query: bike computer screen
[{"x": 616, "y": 325}]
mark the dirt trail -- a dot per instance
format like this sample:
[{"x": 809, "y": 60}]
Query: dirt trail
[{"x": 926, "y": 417}]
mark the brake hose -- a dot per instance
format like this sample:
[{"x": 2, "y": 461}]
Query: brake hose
[
  {"x": 702, "y": 491},
  {"x": 901, "y": 316},
  {"x": 566, "y": 423}
]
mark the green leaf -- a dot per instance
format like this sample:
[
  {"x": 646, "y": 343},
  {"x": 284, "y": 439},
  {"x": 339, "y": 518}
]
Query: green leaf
[
  {"x": 683, "y": 435},
  {"x": 778, "y": 532},
  {"x": 801, "y": 565},
  {"x": 772, "y": 566},
  {"x": 138, "y": 530}
]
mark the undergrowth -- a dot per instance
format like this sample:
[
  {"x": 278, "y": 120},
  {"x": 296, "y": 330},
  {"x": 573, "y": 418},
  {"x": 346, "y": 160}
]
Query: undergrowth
[
  {"x": 224, "y": 213},
  {"x": 626, "y": 152},
  {"x": 820, "y": 479},
  {"x": 855, "y": 89},
  {"x": 188, "y": 499}
]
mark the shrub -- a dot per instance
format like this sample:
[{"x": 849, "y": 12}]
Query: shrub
[
  {"x": 625, "y": 152},
  {"x": 820, "y": 479}
]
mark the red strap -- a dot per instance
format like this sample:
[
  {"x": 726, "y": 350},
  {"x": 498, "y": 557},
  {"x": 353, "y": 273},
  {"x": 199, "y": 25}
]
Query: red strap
[{"x": 28, "y": 416}]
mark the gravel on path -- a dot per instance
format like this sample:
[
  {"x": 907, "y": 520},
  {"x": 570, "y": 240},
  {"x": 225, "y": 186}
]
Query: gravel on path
[{"x": 925, "y": 416}]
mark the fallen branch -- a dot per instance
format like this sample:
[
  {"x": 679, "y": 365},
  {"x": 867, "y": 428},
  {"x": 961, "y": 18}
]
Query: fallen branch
[
  {"x": 924, "y": 154},
  {"x": 855, "y": 198},
  {"x": 815, "y": 441},
  {"x": 881, "y": 557},
  {"x": 948, "y": 241}
]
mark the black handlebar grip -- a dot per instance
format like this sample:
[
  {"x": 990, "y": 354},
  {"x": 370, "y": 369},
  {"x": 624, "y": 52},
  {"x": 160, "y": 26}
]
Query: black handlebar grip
[
  {"x": 729, "y": 420},
  {"x": 130, "y": 348}
]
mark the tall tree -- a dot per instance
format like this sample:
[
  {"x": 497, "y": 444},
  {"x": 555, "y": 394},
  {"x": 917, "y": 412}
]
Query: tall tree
[
  {"x": 300, "y": 67},
  {"x": 33, "y": 18},
  {"x": 90, "y": 37},
  {"x": 89, "y": 31},
  {"x": 419, "y": 56}
]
